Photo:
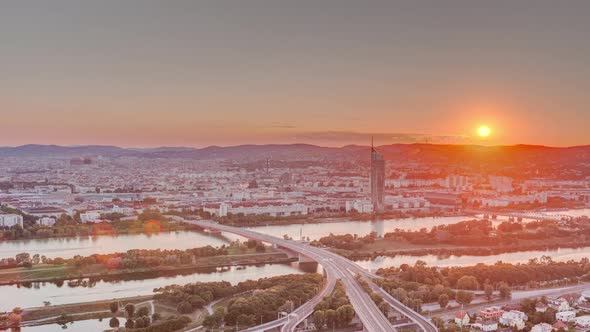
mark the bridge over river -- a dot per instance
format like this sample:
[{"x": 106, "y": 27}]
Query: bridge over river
[{"x": 336, "y": 267}]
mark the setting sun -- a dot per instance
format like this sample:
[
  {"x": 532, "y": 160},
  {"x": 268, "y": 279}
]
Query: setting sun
[{"x": 484, "y": 131}]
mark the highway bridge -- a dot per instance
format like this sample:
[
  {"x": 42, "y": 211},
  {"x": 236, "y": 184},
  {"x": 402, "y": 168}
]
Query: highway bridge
[{"x": 336, "y": 267}]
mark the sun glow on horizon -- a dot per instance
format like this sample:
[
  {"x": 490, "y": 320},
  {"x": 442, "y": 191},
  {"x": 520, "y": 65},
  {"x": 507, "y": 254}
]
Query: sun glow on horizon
[{"x": 484, "y": 131}]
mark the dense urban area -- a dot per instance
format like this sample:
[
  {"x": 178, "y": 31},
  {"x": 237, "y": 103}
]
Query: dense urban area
[{"x": 445, "y": 237}]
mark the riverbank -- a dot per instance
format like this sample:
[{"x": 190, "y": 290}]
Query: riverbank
[
  {"x": 46, "y": 273},
  {"x": 393, "y": 248}
]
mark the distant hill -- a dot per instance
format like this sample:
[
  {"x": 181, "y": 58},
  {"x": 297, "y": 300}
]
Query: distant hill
[{"x": 422, "y": 153}]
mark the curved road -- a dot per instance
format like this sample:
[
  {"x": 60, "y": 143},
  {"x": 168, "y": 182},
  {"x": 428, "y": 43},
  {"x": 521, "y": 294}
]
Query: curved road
[{"x": 336, "y": 267}]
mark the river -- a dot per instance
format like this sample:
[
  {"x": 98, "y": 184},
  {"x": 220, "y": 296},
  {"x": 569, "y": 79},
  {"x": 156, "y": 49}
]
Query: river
[
  {"x": 103, "y": 290},
  {"x": 33, "y": 296},
  {"x": 561, "y": 255},
  {"x": 88, "y": 245}
]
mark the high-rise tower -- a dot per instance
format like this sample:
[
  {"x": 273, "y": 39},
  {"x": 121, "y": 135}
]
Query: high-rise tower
[{"x": 377, "y": 179}]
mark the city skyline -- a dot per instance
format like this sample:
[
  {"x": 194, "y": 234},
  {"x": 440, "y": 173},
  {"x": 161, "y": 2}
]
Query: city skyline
[
  {"x": 331, "y": 74},
  {"x": 264, "y": 165}
]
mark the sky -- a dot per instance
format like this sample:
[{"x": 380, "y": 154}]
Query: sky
[{"x": 330, "y": 72}]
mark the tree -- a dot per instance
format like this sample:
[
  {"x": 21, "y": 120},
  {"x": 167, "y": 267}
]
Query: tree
[
  {"x": 114, "y": 322},
  {"x": 196, "y": 301},
  {"x": 443, "y": 300},
  {"x": 331, "y": 318},
  {"x": 319, "y": 319},
  {"x": 184, "y": 307},
  {"x": 438, "y": 322},
  {"x": 114, "y": 306},
  {"x": 464, "y": 297},
  {"x": 214, "y": 320},
  {"x": 467, "y": 282},
  {"x": 129, "y": 324},
  {"x": 64, "y": 319},
  {"x": 344, "y": 315},
  {"x": 130, "y": 309},
  {"x": 143, "y": 311},
  {"x": 384, "y": 308},
  {"x": 139, "y": 323},
  {"x": 505, "y": 291},
  {"x": 489, "y": 290}
]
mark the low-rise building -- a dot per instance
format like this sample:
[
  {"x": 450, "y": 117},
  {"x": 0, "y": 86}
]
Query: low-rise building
[
  {"x": 541, "y": 307},
  {"x": 583, "y": 321},
  {"x": 565, "y": 316},
  {"x": 462, "y": 318},
  {"x": 560, "y": 325},
  {"x": 90, "y": 216},
  {"x": 513, "y": 318},
  {"x": 486, "y": 325},
  {"x": 492, "y": 313},
  {"x": 46, "y": 221},
  {"x": 275, "y": 209},
  {"x": 560, "y": 305},
  {"x": 360, "y": 206},
  {"x": 46, "y": 211},
  {"x": 543, "y": 327}
]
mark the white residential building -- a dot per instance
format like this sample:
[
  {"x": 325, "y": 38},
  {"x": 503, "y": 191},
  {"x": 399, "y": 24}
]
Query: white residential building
[
  {"x": 513, "y": 318},
  {"x": 128, "y": 211},
  {"x": 487, "y": 325},
  {"x": 275, "y": 209},
  {"x": 90, "y": 217},
  {"x": 46, "y": 221},
  {"x": 9, "y": 220},
  {"x": 462, "y": 318},
  {"x": 501, "y": 183},
  {"x": 223, "y": 208},
  {"x": 361, "y": 206}
]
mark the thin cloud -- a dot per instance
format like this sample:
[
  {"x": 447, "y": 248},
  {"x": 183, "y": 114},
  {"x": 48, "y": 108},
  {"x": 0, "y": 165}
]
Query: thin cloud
[{"x": 350, "y": 137}]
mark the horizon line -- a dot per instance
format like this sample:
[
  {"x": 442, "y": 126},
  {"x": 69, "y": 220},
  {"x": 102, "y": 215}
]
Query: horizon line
[{"x": 290, "y": 144}]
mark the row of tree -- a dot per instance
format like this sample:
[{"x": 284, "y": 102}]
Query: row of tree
[
  {"x": 132, "y": 259},
  {"x": 346, "y": 241},
  {"x": 472, "y": 277}
]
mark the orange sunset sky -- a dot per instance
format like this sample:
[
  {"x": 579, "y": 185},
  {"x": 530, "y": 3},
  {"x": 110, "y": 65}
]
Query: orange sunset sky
[{"x": 180, "y": 73}]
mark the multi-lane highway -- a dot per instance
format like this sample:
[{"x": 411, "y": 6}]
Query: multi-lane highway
[{"x": 336, "y": 267}]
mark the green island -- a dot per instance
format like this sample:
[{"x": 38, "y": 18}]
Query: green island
[
  {"x": 470, "y": 237},
  {"x": 24, "y": 268}
]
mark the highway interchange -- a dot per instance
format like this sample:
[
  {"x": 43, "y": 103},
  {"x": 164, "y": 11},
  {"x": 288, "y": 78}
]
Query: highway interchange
[{"x": 336, "y": 267}]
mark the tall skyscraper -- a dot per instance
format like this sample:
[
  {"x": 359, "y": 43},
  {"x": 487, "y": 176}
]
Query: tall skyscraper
[{"x": 377, "y": 179}]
